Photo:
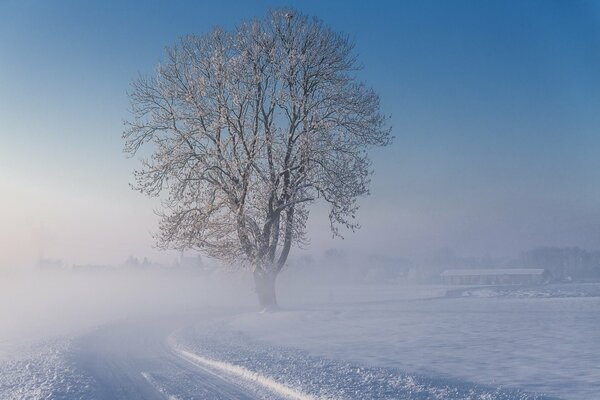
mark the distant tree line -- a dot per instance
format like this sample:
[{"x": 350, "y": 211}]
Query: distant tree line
[{"x": 564, "y": 263}]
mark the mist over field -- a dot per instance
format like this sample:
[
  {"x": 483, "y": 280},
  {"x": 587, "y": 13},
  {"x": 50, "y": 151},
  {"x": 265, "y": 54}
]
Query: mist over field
[
  {"x": 41, "y": 304},
  {"x": 316, "y": 200},
  {"x": 67, "y": 333}
]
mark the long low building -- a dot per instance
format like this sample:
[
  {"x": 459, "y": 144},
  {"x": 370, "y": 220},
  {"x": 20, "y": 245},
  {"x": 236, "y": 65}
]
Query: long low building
[{"x": 494, "y": 276}]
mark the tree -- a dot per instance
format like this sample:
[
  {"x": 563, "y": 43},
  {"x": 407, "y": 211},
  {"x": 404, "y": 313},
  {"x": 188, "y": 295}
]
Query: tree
[{"x": 247, "y": 129}]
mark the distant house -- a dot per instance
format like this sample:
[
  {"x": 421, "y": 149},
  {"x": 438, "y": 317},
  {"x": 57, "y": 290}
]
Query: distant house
[{"x": 494, "y": 276}]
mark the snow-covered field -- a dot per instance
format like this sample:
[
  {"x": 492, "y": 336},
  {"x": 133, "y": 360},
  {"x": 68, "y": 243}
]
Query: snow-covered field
[
  {"x": 536, "y": 339},
  {"x": 303, "y": 375},
  {"x": 379, "y": 341}
]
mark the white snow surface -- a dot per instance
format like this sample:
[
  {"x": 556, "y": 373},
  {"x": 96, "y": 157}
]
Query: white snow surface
[
  {"x": 245, "y": 374},
  {"x": 313, "y": 376},
  {"x": 537, "y": 339},
  {"x": 41, "y": 371}
]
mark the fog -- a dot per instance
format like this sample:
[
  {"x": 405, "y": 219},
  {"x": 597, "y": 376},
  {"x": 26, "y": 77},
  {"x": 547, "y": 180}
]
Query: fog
[
  {"x": 140, "y": 327},
  {"x": 39, "y": 304},
  {"x": 54, "y": 300},
  {"x": 45, "y": 303}
]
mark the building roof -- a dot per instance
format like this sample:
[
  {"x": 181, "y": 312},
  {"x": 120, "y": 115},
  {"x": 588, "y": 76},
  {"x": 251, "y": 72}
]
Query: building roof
[{"x": 493, "y": 272}]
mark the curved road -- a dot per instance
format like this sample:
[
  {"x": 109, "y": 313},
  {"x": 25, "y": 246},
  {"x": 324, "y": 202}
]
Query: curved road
[{"x": 131, "y": 360}]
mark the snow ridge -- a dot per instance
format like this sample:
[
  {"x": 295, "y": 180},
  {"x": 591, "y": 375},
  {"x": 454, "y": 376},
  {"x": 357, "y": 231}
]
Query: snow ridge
[
  {"x": 310, "y": 377},
  {"x": 243, "y": 373}
]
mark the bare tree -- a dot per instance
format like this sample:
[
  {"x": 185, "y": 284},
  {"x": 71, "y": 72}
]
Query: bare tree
[{"x": 246, "y": 130}]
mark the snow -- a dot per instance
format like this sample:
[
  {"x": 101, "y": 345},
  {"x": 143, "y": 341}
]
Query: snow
[
  {"x": 43, "y": 313},
  {"x": 547, "y": 291},
  {"x": 351, "y": 341},
  {"x": 41, "y": 371},
  {"x": 158, "y": 386},
  {"x": 493, "y": 271},
  {"x": 244, "y": 374},
  {"x": 547, "y": 344},
  {"x": 313, "y": 376}
]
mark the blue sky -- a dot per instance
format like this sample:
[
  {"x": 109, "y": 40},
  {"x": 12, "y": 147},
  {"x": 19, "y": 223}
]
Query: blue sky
[{"x": 495, "y": 107}]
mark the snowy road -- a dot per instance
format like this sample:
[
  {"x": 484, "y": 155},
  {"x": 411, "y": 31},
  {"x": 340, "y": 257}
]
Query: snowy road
[
  {"x": 163, "y": 358},
  {"x": 132, "y": 360}
]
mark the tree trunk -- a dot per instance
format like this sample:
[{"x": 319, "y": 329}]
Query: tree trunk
[{"x": 265, "y": 289}]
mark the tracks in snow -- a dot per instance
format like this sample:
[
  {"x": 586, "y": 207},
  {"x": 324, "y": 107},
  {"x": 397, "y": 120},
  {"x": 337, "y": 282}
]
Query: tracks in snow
[
  {"x": 132, "y": 360},
  {"x": 237, "y": 372}
]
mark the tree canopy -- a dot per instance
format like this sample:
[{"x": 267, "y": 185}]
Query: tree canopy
[{"x": 247, "y": 129}]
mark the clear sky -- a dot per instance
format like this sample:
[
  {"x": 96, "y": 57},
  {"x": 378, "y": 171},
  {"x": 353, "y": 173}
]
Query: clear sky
[{"x": 495, "y": 107}]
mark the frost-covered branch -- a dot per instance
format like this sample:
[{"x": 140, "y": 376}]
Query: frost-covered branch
[{"x": 246, "y": 129}]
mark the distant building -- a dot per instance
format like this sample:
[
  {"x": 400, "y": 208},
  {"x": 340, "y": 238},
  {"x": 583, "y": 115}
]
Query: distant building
[{"x": 494, "y": 276}]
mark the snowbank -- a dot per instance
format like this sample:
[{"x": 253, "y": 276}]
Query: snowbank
[{"x": 296, "y": 374}]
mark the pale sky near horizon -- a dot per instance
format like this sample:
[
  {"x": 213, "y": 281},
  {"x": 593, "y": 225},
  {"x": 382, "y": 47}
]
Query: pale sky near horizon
[{"x": 495, "y": 107}]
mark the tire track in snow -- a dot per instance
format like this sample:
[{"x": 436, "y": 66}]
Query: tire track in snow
[
  {"x": 131, "y": 360},
  {"x": 311, "y": 377},
  {"x": 157, "y": 386},
  {"x": 242, "y": 373}
]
